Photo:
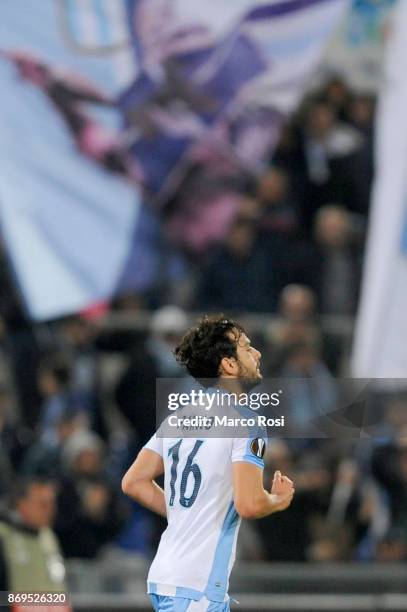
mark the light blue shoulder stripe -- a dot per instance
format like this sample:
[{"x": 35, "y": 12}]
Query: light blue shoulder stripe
[{"x": 254, "y": 460}]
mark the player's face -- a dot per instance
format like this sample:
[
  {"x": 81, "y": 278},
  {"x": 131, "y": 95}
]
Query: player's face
[{"x": 248, "y": 359}]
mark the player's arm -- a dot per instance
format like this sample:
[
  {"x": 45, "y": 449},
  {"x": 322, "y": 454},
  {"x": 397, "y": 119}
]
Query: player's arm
[
  {"x": 251, "y": 499},
  {"x": 139, "y": 481}
]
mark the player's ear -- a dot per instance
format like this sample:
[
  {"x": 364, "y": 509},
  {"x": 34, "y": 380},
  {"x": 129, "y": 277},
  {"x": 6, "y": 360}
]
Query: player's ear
[{"x": 228, "y": 366}]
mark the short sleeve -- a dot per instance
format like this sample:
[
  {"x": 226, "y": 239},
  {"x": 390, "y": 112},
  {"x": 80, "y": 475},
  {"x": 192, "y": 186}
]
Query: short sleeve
[
  {"x": 249, "y": 450},
  {"x": 155, "y": 444}
]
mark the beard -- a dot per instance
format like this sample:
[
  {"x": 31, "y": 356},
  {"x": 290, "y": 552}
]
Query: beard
[{"x": 248, "y": 379}]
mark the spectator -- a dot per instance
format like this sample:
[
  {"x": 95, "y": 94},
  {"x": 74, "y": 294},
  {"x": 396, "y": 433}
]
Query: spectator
[
  {"x": 250, "y": 209},
  {"x": 167, "y": 327},
  {"x": 298, "y": 303},
  {"x": 337, "y": 261},
  {"x": 35, "y": 564},
  {"x": 326, "y": 158},
  {"x": 358, "y": 507},
  {"x": 299, "y": 322},
  {"x": 78, "y": 337},
  {"x": 279, "y": 212},
  {"x": 20, "y": 343},
  {"x": 245, "y": 274},
  {"x": 6, "y": 470},
  {"x": 337, "y": 94},
  {"x": 329, "y": 545},
  {"x": 54, "y": 381},
  {"x": 361, "y": 113},
  {"x": 15, "y": 437},
  {"x": 310, "y": 390},
  {"x": 389, "y": 467},
  {"x": 296, "y": 322},
  {"x": 45, "y": 454},
  {"x": 90, "y": 512},
  {"x": 287, "y": 535}
]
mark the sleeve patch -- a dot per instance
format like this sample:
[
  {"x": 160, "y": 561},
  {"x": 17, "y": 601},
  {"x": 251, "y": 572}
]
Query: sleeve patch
[{"x": 258, "y": 447}]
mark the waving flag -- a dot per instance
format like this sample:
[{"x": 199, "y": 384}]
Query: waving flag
[
  {"x": 104, "y": 106},
  {"x": 225, "y": 77},
  {"x": 380, "y": 349}
]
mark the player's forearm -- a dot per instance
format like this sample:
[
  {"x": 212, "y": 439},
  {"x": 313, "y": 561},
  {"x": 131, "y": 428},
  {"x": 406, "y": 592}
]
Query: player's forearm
[
  {"x": 263, "y": 505},
  {"x": 148, "y": 494}
]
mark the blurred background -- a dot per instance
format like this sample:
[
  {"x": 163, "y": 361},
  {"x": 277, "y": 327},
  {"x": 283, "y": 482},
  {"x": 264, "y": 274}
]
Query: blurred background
[{"x": 160, "y": 160}]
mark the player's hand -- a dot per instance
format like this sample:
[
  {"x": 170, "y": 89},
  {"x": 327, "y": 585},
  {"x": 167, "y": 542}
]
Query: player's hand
[{"x": 282, "y": 489}]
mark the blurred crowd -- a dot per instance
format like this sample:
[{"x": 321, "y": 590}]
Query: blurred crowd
[{"x": 77, "y": 397}]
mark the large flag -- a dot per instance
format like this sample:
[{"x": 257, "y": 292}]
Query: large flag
[
  {"x": 105, "y": 104},
  {"x": 380, "y": 349},
  {"x": 222, "y": 74}
]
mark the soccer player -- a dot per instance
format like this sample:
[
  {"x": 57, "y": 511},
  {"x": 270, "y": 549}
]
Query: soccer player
[{"x": 209, "y": 483}]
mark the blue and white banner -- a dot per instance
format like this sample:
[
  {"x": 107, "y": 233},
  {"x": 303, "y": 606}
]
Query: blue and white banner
[
  {"x": 103, "y": 101},
  {"x": 67, "y": 222},
  {"x": 217, "y": 76},
  {"x": 380, "y": 349}
]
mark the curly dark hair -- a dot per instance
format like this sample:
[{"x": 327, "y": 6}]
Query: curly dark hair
[{"x": 202, "y": 348}]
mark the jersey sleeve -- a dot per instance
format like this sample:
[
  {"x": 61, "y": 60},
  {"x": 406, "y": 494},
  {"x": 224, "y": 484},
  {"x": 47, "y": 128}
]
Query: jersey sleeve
[
  {"x": 155, "y": 444},
  {"x": 249, "y": 450}
]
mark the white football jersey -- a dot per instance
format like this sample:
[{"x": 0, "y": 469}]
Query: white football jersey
[{"x": 197, "y": 550}]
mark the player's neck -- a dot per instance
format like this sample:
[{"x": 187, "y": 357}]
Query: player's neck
[{"x": 230, "y": 385}]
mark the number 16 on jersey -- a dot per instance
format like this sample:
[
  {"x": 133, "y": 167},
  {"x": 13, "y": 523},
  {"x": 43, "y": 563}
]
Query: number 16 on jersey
[{"x": 190, "y": 468}]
